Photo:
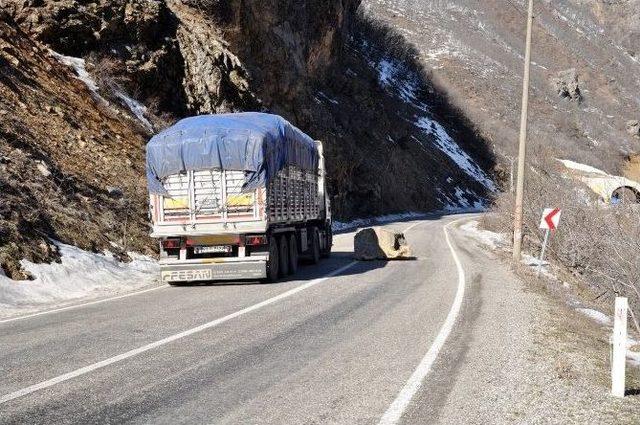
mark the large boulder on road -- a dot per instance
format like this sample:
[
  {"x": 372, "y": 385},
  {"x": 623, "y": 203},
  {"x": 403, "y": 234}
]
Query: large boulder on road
[{"x": 379, "y": 244}]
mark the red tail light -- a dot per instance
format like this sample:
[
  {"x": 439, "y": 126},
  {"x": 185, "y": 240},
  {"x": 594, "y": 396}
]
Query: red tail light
[
  {"x": 256, "y": 240},
  {"x": 171, "y": 243}
]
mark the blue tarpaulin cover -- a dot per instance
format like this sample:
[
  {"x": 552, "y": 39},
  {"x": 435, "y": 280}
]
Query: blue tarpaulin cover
[{"x": 257, "y": 143}]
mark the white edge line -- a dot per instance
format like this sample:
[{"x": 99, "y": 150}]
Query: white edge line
[
  {"x": 402, "y": 400},
  {"x": 84, "y": 370},
  {"x": 71, "y": 307}
]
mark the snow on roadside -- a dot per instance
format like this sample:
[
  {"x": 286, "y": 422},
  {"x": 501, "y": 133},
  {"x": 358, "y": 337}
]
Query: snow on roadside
[
  {"x": 633, "y": 351},
  {"x": 496, "y": 240},
  {"x": 491, "y": 239},
  {"x": 339, "y": 226},
  {"x": 342, "y": 226},
  {"x": 79, "y": 275},
  {"x": 596, "y": 315},
  {"x": 633, "y": 346}
]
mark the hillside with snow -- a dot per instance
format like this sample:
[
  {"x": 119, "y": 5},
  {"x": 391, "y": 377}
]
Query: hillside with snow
[{"x": 585, "y": 70}]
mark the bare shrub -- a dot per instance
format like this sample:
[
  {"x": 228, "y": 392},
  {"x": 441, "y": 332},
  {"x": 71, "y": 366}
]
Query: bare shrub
[{"x": 597, "y": 243}]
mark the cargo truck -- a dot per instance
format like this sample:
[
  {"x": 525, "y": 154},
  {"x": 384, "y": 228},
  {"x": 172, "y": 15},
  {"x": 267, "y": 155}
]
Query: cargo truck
[{"x": 237, "y": 196}]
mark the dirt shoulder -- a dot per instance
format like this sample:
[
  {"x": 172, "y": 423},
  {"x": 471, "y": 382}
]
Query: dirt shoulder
[{"x": 521, "y": 354}]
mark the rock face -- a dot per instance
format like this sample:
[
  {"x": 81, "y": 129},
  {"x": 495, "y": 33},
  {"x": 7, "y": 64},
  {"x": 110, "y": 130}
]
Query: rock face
[
  {"x": 379, "y": 244},
  {"x": 214, "y": 78},
  {"x": 567, "y": 84},
  {"x": 137, "y": 34},
  {"x": 290, "y": 42}
]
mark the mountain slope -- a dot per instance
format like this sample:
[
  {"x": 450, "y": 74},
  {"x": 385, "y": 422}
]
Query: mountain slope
[
  {"x": 475, "y": 51},
  {"x": 394, "y": 142},
  {"x": 71, "y": 165}
]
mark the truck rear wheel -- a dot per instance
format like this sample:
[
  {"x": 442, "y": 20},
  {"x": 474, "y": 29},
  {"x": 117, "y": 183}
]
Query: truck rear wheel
[
  {"x": 283, "y": 255},
  {"x": 293, "y": 254},
  {"x": 315, "y": 246},
  {"x": 274, "y": 261}
]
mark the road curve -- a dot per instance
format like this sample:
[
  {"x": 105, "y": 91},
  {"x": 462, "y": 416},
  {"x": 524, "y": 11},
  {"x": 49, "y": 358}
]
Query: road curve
[{"x": 325, "y": 347}]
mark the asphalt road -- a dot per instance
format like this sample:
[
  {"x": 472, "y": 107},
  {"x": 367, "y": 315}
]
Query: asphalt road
[{"x": 352, "y": 347}]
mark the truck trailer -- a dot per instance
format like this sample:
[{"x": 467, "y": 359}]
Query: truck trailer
[{"x": 235, "y": 197}]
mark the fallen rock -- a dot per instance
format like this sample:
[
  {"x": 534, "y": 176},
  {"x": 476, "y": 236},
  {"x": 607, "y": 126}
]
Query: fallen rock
[
  {"x": 379, "y": 244},
  {"x": 567, "y": 84},
  {"x": 633, "y": 128}
]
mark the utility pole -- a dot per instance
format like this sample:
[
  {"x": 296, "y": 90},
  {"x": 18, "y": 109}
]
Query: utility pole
[{"x": 517, "y": 224}]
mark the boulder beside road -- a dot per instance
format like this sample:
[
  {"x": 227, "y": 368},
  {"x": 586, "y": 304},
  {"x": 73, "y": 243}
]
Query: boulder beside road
[{"x": 379, "y": 244}]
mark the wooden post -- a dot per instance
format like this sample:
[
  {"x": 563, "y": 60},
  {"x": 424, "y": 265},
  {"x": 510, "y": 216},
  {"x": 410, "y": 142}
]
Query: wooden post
[
  {"x": 619, "y": 349},
  {"x": 522, "y": 149}
]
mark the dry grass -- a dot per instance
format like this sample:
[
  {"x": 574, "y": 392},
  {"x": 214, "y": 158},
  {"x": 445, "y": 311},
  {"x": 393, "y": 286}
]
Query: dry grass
[{"x": 597, "y": 244}]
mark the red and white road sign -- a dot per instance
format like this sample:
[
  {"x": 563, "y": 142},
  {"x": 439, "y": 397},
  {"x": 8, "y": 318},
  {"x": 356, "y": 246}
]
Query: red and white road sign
[{"x": 550, "y": 218}]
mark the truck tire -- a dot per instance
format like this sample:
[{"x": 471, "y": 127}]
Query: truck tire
[
  {"x": 315, "y": 246},
  {"x": 328, "y": 236},
  {"x": 273, "y": 263},
  {"x": 283, "y": 245},
  {"x": 293, "y": 254}
]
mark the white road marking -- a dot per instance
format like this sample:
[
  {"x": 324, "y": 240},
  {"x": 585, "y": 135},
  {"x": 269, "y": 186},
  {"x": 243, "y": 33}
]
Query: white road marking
[
  {"x": 84, "y": 370},
  {"x": 70, "y": 307},
  {"x": 397, "y": 408}
]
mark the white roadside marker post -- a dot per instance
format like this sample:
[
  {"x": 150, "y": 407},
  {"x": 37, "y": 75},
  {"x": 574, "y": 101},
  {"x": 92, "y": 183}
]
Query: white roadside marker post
[
  {"x": 619, "y": 349},
  {"x": 544, "y": 248},
  {"x": 550, "y": 221}
]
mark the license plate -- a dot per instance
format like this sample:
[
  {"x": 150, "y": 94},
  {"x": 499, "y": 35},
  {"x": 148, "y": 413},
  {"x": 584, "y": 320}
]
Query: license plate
[{"x": 218, "y": 249}]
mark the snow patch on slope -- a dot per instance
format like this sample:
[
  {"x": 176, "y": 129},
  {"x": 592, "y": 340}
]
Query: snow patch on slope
[
  {"x": 398, "y": 80},
  {"x": 79, "y": 275},
  {"x": 581, "y": 167},
  {"x": 447, "y": 145},
  {"x": 137, "y": 109},
  {"x": 79, "y": 67}
]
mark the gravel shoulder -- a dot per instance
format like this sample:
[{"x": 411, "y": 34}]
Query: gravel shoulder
[{"x": 519, "y": 354}]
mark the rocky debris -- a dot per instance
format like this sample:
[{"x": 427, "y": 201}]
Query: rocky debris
[
  {"x": 567, "y": 84},
  {"x": 633, "y": 128},
  {"x": 137, "y": 35},
  {"x": 375, "y": 243},
  {"x": 52, "y": 187}
]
